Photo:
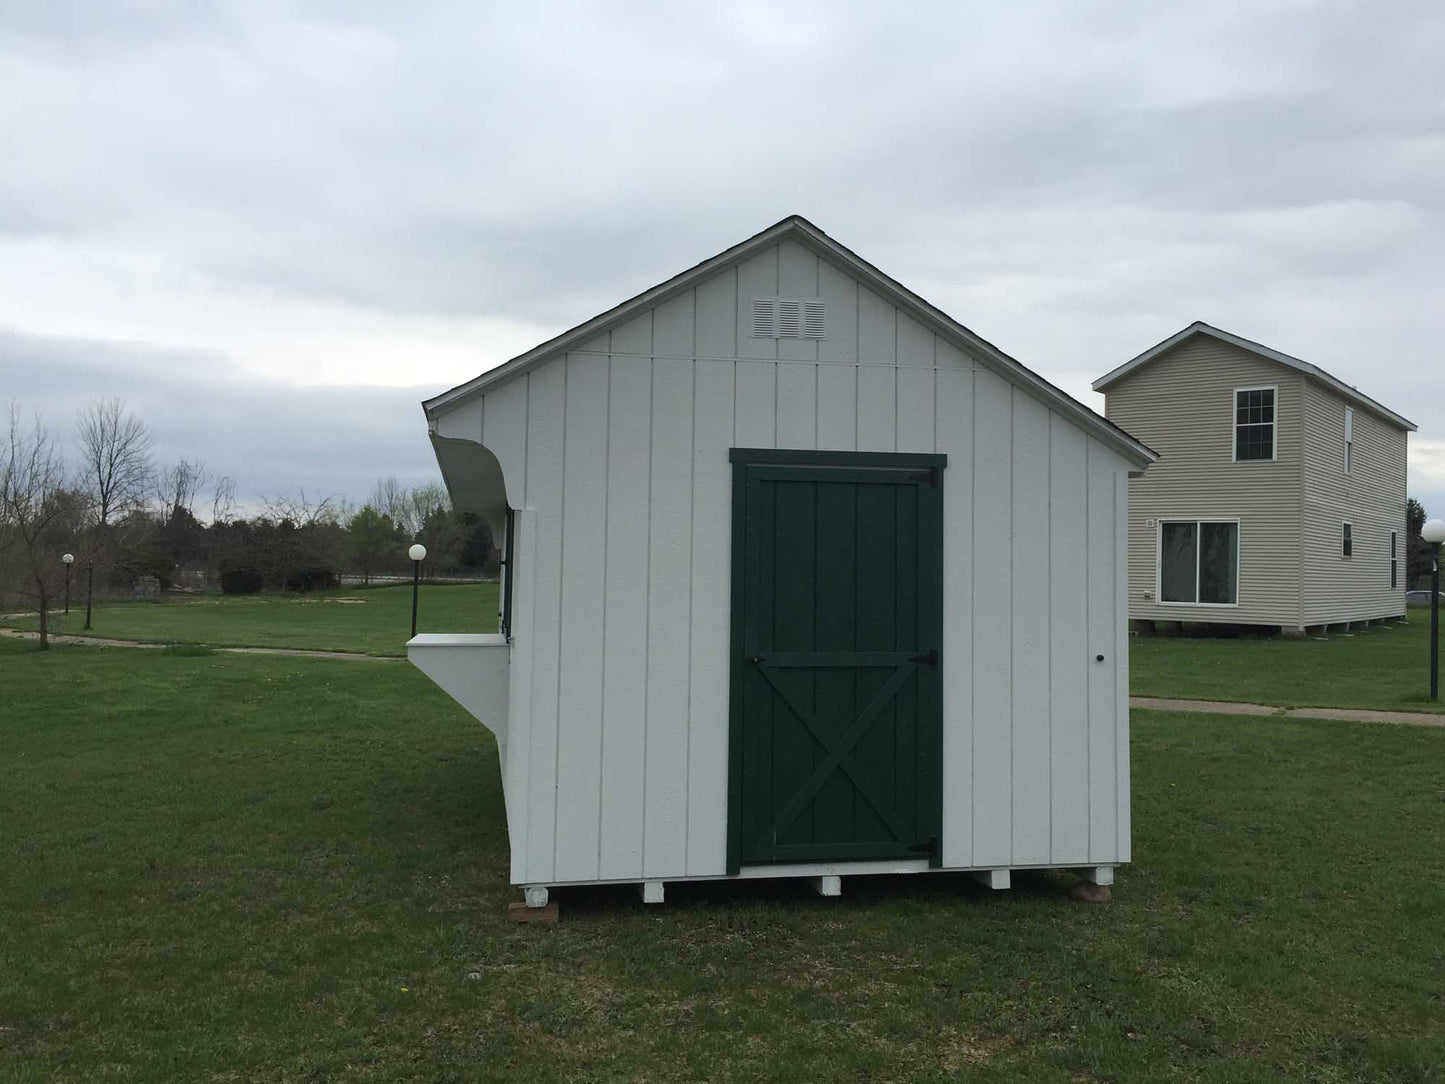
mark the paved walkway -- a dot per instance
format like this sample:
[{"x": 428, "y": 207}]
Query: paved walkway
[
  {"x": 1348, "y": 715},
  {"x": 296, "y": 652},
  {"x": 1153, "y": 703}
]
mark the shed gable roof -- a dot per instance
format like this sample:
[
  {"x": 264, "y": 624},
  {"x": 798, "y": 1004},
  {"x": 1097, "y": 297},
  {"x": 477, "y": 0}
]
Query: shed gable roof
[
  {"x": 1199, "y": 327},
  {"x": 799, "y": 229}
]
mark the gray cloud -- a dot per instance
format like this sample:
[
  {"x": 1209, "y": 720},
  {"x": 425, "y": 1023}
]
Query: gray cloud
[
  {"x": 273, "y": 438},
  {"x": 1073, "y": 181}
]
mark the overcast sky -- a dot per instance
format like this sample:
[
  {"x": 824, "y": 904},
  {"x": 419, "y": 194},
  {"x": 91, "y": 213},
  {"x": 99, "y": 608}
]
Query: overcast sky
[{"x": 272, "y": 229}]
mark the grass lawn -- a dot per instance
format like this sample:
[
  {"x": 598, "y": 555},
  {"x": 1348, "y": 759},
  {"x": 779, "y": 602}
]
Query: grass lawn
[
  {"x": 1379, "y": 667},
  {"x": 259, "y": 868},
  {"x": 377, "y": 625}
]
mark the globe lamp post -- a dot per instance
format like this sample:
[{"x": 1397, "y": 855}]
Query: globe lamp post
[
  {"x": 68, "y": 559},
  {"x": 1434, "y": 533},
  {"x": 417, "y": 553}
]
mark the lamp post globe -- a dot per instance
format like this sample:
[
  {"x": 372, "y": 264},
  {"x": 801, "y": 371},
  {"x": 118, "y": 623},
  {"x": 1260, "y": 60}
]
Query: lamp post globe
[
  {"x": 67, "y": 559},
  {"x": 1434, "y": 533},
  {"x": 417, "y": 553}
]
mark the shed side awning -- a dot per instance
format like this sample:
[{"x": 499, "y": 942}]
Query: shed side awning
[{"x": 473, "y": 477}]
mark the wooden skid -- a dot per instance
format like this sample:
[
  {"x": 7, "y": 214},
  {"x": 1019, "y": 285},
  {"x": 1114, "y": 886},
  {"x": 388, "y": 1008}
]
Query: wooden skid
[{"x": 520, "y": 912}]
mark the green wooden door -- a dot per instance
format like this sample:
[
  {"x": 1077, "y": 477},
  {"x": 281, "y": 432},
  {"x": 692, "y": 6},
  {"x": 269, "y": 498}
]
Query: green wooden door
[{"x": 836, "y": 712}]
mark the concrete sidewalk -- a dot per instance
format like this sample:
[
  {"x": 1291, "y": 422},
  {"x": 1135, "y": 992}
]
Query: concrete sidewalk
[
  {"x": 1348, "y": 715},
  {"x": 294, "y": 652}
]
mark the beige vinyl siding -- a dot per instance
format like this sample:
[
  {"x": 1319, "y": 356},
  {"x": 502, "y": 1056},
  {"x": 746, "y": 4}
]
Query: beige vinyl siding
[
  {"x": 1182, "y": 405},
  {"x": 1371, "y": 497}
]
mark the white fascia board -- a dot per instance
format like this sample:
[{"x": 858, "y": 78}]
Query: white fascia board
[
  {"x": 803, "y": 231},
  {"x": 1260, "y": 350}
]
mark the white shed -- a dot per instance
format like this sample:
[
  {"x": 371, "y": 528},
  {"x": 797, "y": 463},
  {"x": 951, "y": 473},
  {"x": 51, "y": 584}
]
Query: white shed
[{"x": 802, "y": 579}]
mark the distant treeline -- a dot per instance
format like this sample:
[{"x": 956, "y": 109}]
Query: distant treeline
[{"x": 119, "y": 516}]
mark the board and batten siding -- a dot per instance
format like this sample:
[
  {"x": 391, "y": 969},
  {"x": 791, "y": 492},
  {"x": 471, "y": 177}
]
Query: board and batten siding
[
  {"x": 1371, "y": 497},
  {"x": 1182, "y": 405},
  {"x": 620, "y": 664}
]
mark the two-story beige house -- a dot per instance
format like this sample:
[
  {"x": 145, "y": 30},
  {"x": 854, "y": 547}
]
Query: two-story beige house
[{"x": 1279, "y": 494}]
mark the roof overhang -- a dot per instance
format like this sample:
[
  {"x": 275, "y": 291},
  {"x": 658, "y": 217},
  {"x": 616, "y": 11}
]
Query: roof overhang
[
  {"x": 799, "y": 229},
  {"x": 1199, "y": 327}
]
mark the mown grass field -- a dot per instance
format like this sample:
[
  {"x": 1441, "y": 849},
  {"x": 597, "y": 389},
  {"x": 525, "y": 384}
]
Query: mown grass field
[
  {"x": 374, "y": 621},
  {"x": 1384, "y": 667},
  {"x": 255, "y": 868}
]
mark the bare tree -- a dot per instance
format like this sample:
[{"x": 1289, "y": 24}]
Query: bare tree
[
  {"x": 223, "y": 499},
  {"x": 35, "y": 510},
  {"x": 391, "y": 499},
  {"x": 300, "y": 510},
  {"x": 178, "y": 486},
  {"x": 115, "y": 453}
]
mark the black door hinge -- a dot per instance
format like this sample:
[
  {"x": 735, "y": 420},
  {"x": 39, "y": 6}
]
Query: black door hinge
[{"x": 930, "y": 660}]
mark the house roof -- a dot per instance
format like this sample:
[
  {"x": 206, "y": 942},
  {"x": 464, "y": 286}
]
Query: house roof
[
  {"x": 1199, "y": 327},
  {"x": 799, "y": 229}
]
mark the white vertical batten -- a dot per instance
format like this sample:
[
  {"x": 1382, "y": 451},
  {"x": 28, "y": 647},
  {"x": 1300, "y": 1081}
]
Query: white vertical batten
[
  {"x": 954, "y": 438},
  {"x": 1068, "y": 644},
  {"x": 580, "y": 685},
  {"x": 516, "y": 771},
  {"x": 755, "y": 412},
  {"x": 1030, "y": 659},
  {"x": 544, "y": 495},
  {"x": 797, "y": 405},
  {"x": 624, "y": 693},
  {"x": 877, "y": 408},
  {"x": 669, "y": 620},
  {"x": 915, "y": 407},
  {"x": 1103, "y": 722},
  {"x": 711, "y": 572},
  {"x": 1123, "y": 815},
  {"x": 838, "y": 406},
  {"x": 992, "y": 620}
]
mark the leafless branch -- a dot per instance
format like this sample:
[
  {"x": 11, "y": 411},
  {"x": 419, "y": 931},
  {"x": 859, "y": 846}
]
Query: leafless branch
[{"x": 115, "y": 452}]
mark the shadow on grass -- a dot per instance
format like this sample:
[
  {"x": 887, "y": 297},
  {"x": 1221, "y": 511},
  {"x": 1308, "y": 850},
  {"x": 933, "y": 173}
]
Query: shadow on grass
[{"x": 861, "y": 893}]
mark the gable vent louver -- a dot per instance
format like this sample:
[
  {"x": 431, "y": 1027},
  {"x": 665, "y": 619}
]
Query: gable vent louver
[
  {"x": 812, "y": 319},
  {"x": 765, "y": 318},
  {"x": 788, "y": 318}
]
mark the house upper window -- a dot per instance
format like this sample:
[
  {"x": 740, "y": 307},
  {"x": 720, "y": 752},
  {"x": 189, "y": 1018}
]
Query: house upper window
[
  {"x": 1199, "y": 562},
  {"x": 1347, "y": 540},
  {"x": 1349, "y": 438},
  {"x": 1394, "y": 560},
  {"x": 1254, "y": 423}
]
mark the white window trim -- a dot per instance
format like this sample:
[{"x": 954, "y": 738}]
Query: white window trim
[
  {"x": 1394, "y": 560},
  {"x": 1349, "y": 449},
  {"x": 1159, "y": 559},
  {"x": 1344, "y": 524},
  {"x": 1234, "y": 427}
]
